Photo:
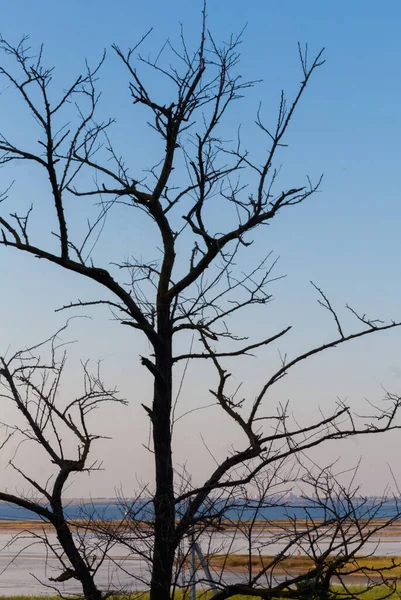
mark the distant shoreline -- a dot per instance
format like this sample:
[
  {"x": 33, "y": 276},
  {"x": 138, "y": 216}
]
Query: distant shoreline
[{"x": 274, "y": 526}]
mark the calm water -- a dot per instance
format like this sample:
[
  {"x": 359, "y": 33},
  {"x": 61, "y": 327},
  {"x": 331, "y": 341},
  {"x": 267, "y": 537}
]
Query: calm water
[
  {"x": 143, "y": 510},
  {"x": 25, "y": 568}
]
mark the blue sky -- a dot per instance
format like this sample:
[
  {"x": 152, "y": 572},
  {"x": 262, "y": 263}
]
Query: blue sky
[{"x": 346, "y": 238}]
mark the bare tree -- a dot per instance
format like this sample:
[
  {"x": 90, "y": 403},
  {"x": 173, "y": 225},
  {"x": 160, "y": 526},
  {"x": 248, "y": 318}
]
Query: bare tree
[
  {"x": 31, "y": 381},
  {"x": 168, "y": 298},
  {"x": 320, "y": 547}
]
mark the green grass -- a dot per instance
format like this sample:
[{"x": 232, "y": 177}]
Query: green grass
[{"x": 376, "y": 593}]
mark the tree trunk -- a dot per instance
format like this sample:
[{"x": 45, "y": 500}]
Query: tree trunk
[
  {"x": 164, "y": 506},
  {"x": 82, "y": 571}
]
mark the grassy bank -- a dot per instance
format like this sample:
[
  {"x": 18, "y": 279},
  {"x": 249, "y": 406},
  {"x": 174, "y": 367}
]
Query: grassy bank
[{"x": 387, "y": 565}]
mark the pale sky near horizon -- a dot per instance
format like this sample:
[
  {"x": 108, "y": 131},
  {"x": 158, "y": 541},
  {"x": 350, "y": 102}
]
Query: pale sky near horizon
[{"x": 346, "y": 238}]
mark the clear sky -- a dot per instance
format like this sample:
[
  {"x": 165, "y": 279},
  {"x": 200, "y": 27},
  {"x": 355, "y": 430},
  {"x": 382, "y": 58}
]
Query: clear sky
[{"x": 346, "y": 238}]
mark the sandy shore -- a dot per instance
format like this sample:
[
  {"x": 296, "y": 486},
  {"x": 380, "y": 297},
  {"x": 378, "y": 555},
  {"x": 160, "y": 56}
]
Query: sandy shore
[{"x": 14, "y": 527}]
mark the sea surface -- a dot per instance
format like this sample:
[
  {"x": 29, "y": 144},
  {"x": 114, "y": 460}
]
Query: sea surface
[{"x": 114, "y": 510}]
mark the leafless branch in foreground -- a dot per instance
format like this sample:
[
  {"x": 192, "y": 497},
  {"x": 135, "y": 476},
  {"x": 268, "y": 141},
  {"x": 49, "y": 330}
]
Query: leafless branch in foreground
[{"x": 31, "y": 382}]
